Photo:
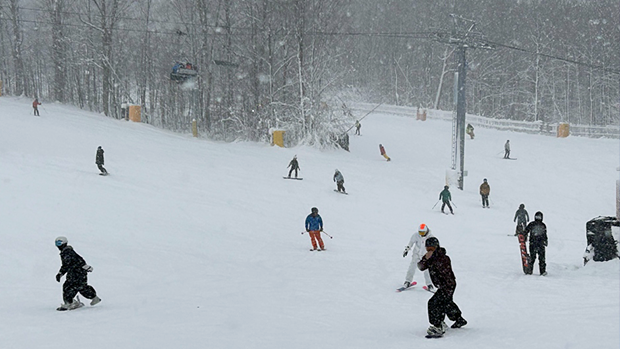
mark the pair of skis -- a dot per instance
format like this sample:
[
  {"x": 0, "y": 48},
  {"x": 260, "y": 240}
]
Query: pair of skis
[{"x": 404, "y": 288}]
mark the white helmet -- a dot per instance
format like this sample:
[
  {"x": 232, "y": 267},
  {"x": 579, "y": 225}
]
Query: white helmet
[
  {"x": 60, "y": 241},
  {"x": 423, "y": 229}
]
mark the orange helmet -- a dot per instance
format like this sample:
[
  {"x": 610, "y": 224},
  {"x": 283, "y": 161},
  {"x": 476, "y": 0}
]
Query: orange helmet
[{"x": 423, "y": 229}]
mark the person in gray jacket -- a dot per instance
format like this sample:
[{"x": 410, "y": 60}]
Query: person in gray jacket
[
  {"x": 339, "y": 179},
  {"x": 522, "y": 218}
]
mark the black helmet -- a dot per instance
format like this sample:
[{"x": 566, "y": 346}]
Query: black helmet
[
  {"x": 522, "y": 206},
  {"x": 446, "y": 187},
  {"x": 538, "y": 216},
  {"x": 484, "y": 180},
  {"x": 432, "y": 242},
  {"x": 314, "y": 210}
]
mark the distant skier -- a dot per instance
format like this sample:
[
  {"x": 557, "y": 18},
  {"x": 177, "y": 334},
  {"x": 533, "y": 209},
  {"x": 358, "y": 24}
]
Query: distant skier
[
  {"x": 507, "y": 150},
  {"x": 314, "y": 226},
  {"x": 339, "y": 179},
  {"x": 418, "y": 241},
  {"x": 382, "y": 151},
  {"x": 470, "y": 131},
  {"x": 294, "y": 165},
  {"x": 445, "y": 197},
  {"x": 442, "y": 302},
  {"x": 357, "y": 127},
  {"x": 537, "y": 230},
  {"x": 35, "y": 106},
  {"x": 76, "y": 269},
  {"x": 99, "y": 161},
  {"x": 522, "y": 218},
  {"x": 485, "y": 190}
]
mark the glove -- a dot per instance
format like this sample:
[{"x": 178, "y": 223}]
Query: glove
[
  {"x": 87, "y": 267},
  {"x": 321, "y": 229},
  {"x": 406, "y": 251},
  {"x": 58, "y": 276}
]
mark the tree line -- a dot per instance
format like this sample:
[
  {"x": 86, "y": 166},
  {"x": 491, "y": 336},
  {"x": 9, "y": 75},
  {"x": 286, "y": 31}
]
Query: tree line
[{"x": 294, "y": 64}]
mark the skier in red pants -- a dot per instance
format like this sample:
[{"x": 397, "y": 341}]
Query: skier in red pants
[{"x": 314, "y": 226}]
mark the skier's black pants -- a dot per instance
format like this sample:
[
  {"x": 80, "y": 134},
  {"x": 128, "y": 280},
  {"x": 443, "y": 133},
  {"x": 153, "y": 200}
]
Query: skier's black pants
[
  {"x": 291, "y": 171},
  {"x": 542, "y": 263},
  {"x": 340, "y": 186},
  {"x": 485, "y": 200},
  {"x": 507, "y": 154},
  {"x": 103, "y": 170},
  {"x": 36, "y": 111},
  {"x": 444, "y": 205},
  {"x": 442, "y": 304},
  {"x": 73, "y": 285}
]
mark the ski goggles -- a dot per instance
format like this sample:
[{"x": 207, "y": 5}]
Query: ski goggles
[{"x": 59, "y": 243}]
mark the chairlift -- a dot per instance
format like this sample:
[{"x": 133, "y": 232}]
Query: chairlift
[{"x": 183, "y": 71}]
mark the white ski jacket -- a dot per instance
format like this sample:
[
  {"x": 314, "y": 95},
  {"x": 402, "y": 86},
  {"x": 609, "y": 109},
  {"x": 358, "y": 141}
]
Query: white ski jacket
[{"x": 418, "y": 242}]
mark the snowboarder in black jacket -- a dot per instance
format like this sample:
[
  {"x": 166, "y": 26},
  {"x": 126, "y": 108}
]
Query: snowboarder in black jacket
[
  {"x": 537, "y": 230},
  {"x": 294, "y": 165},
  {"x": 99, "y": 161},
  {"x": 441, "y": 303},
  {"x": 76, "y": 269}
]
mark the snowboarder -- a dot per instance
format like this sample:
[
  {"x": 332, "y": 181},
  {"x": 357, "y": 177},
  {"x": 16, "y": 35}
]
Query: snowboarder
[
  {"x": 314, "y": 226},
  {"x": 445, "y": 197},
  {"x": 294, "y": 165},
  {"x": 507, "y": 150},
  {"x": 35, "y": 106},
  {"x": 339, "y": 179},
  {"x": 76, "y": 269},
  {"x": 470, "y": 131},
  {"x": 522, "y": 218},
  {"x": 485, "y": 190},
  {"x": 357, "y": 127},
  {"x": 382, "y": 151},
  {"x": 99, "y": 161},
  {"x": 537, "y": 231},
  {"x": 417, "y": 241},
  {"x": 441, "y": 303}
]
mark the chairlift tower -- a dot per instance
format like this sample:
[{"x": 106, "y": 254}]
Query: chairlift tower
[{"x": 464, "y": 37}]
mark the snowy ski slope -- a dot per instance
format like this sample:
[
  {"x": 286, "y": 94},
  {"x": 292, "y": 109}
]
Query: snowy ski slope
[{"x": 198, "y": 244}]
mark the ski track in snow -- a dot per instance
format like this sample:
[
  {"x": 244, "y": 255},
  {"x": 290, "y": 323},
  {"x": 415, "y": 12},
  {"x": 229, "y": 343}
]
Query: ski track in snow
[{"x": 197, "y": 244}]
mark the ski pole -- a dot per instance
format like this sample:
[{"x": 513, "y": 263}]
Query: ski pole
[
  {"x": 331, "y": 237},
  {"x": 454, "y": 204},
  {"x": 435, "y": 205}
]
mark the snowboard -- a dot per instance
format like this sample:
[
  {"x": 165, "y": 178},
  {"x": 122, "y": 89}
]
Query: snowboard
[
  {"x": 434, "y": 335},
  {"x": 524, "y": 255},
  {"x": 401, "y": 289},
  {"x": 299, "y": 179},
  {"x": 341, "y": 192},
  {"x": 104, "y": 174},
  {"x": 510, "y": 158}
]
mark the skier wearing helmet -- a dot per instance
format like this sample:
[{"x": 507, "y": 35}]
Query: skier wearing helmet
[
  {"x": 417, "y": 242},
  {"x": 485, "y": 190},
  {"x": 314, "y": 226},
  {"x": 442, "y": 302},
  {"x": 522, "y": 218},
  {"x": 445, "y": 198},
  {"x": 76, "y": 269}
]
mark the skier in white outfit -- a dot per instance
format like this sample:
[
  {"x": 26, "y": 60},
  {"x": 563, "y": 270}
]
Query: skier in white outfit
[{"x": 418, "y": 241}]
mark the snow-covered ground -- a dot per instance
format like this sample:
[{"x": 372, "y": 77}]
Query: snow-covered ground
[{"x": 198, "y": 244}]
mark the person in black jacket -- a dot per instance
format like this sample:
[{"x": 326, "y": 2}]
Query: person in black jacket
[
  {"x": 99, "y": 161},
  {"x": 537, "y": 230},
  {"x": 523, "y": 218},
  {"x": 294, "y": 165},
  {"x": 76, "y": 269},
  {"x": 441, "y": 303}
]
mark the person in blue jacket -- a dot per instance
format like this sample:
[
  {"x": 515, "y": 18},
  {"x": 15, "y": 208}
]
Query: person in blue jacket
[{"x": 314, "y": 226}]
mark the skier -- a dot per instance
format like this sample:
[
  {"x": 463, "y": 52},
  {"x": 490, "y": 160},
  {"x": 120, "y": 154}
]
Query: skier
[
  {"x": 507, "y": 150},
  {"x": 314, "y": 226},
  {"x": 485, "y": 190},
  {"x": 294, "y": 165},
  {"x": 445, "y": 197},
  {"x": 339, "y": 179},
  {"x": 382, "y": 151},
  {"x": 77, "y": 280},
  {"x": 35, "y": 106},
  {"x": 357, "y": 127},
  {"x": 522, "y": 218},
  {"x": 441, "y": 303},
  {"x": 537, "y": 230},
  {"x": 99, "y": 161},
  {"x": 418, "y": 240},
  {"x": 470, "y": 131}
]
